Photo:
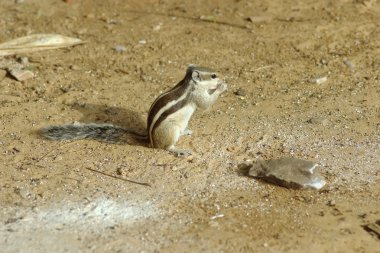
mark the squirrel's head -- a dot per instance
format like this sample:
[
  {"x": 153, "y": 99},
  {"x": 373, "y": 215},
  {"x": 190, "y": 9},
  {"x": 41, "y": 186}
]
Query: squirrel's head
[{"x": 207, "y": 85}]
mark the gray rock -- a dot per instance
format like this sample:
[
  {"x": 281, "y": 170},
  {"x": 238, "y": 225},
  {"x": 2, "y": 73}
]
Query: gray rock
[{"x": 288, "y": 172}]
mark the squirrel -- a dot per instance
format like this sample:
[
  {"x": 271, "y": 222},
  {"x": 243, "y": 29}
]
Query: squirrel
[{"x": 168, "y": 116}]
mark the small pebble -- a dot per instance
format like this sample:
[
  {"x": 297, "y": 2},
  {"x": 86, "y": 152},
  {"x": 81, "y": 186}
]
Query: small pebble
[
  {"x": 318, "y": 121},
  {"x": 25, "y": 193},
  {"x": 142, "y": 41},
  {"x": 240, "y": 92},
  {"x": 157, "y": 27},
  {"x": 259, "y": 19},
  {"x": 323, "y": 62},
  {"x": 325, "y": 122},
  {"x": 23, "y": 60},
  {"x": 120, "y": 48},
  {"x": 217, "y": 216},
  {"x": 207, "y": 17},
  {"x": 349, "y": 64},
  {"x": 122, "y": 171},
  {"x": 331, "y": 203},
  {"x": 74, "y": 67},
  {"x": 319, "y": 80},
  {"x": 190, "y": 158},
  {"x": 231, "y": 149}
]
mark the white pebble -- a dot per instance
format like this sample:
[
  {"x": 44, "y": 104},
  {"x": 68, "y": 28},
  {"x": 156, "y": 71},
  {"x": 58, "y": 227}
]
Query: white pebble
[{"x": 319, "y": 80}]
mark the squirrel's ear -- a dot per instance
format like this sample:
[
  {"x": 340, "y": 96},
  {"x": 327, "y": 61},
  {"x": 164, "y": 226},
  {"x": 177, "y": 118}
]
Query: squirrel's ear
[{"x": 196, "y": 76}]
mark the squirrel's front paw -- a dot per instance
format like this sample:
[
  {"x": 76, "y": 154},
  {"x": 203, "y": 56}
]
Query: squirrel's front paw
[
  {"x": 222, "y": 87},
  {"x": 187, "y": 132}
]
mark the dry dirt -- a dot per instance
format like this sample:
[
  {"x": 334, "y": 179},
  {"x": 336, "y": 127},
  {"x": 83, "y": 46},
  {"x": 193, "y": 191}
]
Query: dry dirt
[{"x": 51, "y": 198}]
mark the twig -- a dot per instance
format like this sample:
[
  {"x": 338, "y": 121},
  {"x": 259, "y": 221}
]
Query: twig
[
  {"x": 200, "y": 19},
  {"x": 264, "y": 67},
  {"x": 51, "y": 151},
  {"x": 124, "y": 179}
]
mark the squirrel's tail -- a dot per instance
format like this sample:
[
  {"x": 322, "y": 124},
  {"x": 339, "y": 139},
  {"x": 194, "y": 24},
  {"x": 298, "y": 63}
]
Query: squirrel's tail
[{"x": 79, "y": 131}]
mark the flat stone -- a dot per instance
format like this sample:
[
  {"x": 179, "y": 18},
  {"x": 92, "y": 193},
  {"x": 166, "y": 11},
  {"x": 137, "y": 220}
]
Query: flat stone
[
  {"x": 21, "y": 74},
  {"x": 288, "y": 172}
]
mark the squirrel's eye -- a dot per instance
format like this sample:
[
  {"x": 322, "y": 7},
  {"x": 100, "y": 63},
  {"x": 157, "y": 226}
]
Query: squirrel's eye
[{"x": 213, "y": 76}]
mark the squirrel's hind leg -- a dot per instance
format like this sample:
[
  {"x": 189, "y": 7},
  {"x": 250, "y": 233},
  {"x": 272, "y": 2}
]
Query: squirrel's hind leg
[{"x": 166, "y": 137}]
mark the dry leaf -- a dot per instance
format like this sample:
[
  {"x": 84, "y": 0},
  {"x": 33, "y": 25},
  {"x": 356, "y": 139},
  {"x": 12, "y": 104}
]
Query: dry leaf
[{"x": 37, "y": 42}]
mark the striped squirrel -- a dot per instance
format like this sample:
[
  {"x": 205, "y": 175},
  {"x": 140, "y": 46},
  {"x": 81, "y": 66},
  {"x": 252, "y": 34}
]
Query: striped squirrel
[{"x": 168, "y": 116}]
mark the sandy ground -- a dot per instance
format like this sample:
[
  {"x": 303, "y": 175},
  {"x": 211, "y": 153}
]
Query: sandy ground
[{"x": 271, "y": 52}]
